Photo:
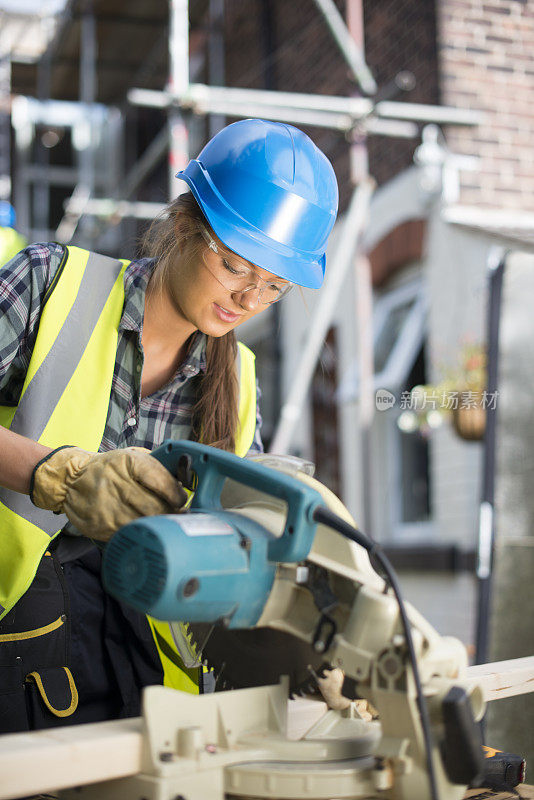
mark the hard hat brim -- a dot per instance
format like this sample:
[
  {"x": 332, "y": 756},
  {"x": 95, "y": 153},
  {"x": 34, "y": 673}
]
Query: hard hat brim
[{"x": 302, "y": 268}]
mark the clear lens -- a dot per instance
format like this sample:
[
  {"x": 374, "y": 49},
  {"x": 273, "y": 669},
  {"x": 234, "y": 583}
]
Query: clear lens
[{"x": 238, "y": 280}]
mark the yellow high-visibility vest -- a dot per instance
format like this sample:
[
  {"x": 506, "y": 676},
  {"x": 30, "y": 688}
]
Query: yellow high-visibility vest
[
  {"x": 11, "y": 242},
  {"x": 65, "y": 399}
]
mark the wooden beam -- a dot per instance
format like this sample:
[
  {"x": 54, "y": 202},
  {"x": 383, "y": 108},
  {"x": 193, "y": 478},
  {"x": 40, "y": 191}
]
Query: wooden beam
[
  {"x": 504, "y": 678},
  {"x": 40, "y": 762}
]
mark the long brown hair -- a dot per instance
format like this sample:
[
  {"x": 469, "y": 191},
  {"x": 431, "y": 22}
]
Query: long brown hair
[{"x": 215, "y": 413}]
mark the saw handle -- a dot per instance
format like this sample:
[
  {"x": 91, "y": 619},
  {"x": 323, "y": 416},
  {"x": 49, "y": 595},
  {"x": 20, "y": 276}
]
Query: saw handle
[{"x": 213, "y": 467}]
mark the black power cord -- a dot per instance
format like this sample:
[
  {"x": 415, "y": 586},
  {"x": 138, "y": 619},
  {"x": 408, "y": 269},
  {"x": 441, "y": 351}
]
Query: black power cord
[{"x": 326, "y": 517}]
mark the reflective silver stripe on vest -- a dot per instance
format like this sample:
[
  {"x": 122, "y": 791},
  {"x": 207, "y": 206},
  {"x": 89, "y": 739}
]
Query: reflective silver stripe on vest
[
  {"x": 21, "y": 504},
  {"x": 53, "y": 376}
]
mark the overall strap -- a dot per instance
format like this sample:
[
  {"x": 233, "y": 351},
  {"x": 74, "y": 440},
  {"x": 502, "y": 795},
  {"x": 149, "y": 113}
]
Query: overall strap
[{"x": 68, "y": 321}]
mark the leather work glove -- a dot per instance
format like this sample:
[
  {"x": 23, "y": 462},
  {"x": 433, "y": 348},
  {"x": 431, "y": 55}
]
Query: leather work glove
[{"x": 100, "y": 492}]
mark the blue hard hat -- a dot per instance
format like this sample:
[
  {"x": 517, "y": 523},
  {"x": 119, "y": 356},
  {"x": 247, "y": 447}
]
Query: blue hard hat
[
  {"x": 270, "y": 195},
  {"x": 7, "y": 215}
]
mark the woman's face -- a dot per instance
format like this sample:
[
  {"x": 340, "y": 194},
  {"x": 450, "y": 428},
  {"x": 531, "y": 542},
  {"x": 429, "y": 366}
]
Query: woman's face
[{"x": 203, "y": 301}]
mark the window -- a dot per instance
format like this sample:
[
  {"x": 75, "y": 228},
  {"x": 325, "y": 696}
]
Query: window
[
  {"x": 402, "y": 459},
  {"x": 399, "y": 322}
]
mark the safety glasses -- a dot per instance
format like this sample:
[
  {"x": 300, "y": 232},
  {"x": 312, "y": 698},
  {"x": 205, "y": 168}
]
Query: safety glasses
[{"x": 237, "y": 279}]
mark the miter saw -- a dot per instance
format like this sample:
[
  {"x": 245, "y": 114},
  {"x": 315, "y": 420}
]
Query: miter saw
[{"x": 269, "y": 558}]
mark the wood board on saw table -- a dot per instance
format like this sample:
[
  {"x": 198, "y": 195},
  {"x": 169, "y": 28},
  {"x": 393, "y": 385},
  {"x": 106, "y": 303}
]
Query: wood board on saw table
[{"x": 522, "y": 792}]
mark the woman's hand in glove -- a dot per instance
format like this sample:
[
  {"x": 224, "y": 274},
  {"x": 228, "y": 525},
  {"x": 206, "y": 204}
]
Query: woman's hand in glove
[{"x": 100, "y": 492}]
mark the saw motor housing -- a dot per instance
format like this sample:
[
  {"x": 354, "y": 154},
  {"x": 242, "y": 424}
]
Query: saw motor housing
[
  {"x": 197, "y": 567},
  {"x": 210, "y": 565}
]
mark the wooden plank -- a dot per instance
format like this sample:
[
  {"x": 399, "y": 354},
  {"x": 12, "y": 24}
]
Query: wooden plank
[
  {"x": 46, "y": 761},
  {"x": 57, "y": 758},
  {"x": 504, "y": 678},
  {"x": 525, "y": 793}
]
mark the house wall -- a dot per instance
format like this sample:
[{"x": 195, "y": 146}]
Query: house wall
[
  {"x": 485, "y": 61},
  {"x": 273, "y": 44},
  {"x": 512, "y": 722},
  {"x": 457, "y": 286}
]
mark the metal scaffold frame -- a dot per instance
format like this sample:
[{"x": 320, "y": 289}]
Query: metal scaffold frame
[
  {"x": 182, "y": 98},
  {"x": 339, "y": 113}
]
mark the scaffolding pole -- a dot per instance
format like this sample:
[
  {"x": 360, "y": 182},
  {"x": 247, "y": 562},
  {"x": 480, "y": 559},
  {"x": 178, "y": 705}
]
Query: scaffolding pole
[
  {"x": 88, "y": 89},
  {"x": 359, "y": 161},
  {"x": 216, "y": 64},
  {"x": 5, "y": 127},
  {"x": 41, "y": 189},
  {"x": 142, "y": 168},
  {"x": 110, "y": 208},
  {"x": 351, "y": 49},
  {"x": 178, "y": 85},
  {"x": 353, "y": 225},
  {"x": 345, "y": 111}
]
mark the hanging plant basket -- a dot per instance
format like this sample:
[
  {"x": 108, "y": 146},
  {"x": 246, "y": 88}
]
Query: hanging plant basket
[{"x": 469, "y": 418}]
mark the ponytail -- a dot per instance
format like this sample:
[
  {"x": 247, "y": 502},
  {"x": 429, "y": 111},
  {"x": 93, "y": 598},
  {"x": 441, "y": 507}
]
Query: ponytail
[{"x": 215, "y": 413}]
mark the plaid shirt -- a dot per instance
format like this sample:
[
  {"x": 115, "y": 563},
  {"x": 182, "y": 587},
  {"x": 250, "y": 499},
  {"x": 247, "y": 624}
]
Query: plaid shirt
[{"x": 131, "y": 419}]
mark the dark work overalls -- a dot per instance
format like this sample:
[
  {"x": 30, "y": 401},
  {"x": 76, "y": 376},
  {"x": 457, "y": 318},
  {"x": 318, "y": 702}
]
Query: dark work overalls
[{"x": 70, "y": 653}]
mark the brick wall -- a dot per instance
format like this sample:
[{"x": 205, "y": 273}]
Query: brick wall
[
  {"x": 474, "y": 54},
  {"x": 311, "y": 62},
  {"x": 300, "y": 55},
  {"x": 245, "y": 59},
  {"x": 287, "y": 46},
  {"x": 486, "y": 62},
  {"x": 400, "y": 35}
]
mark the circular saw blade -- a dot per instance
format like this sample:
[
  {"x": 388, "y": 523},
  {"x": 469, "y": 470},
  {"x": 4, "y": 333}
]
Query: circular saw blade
[{"x": 257, "y": 657}]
